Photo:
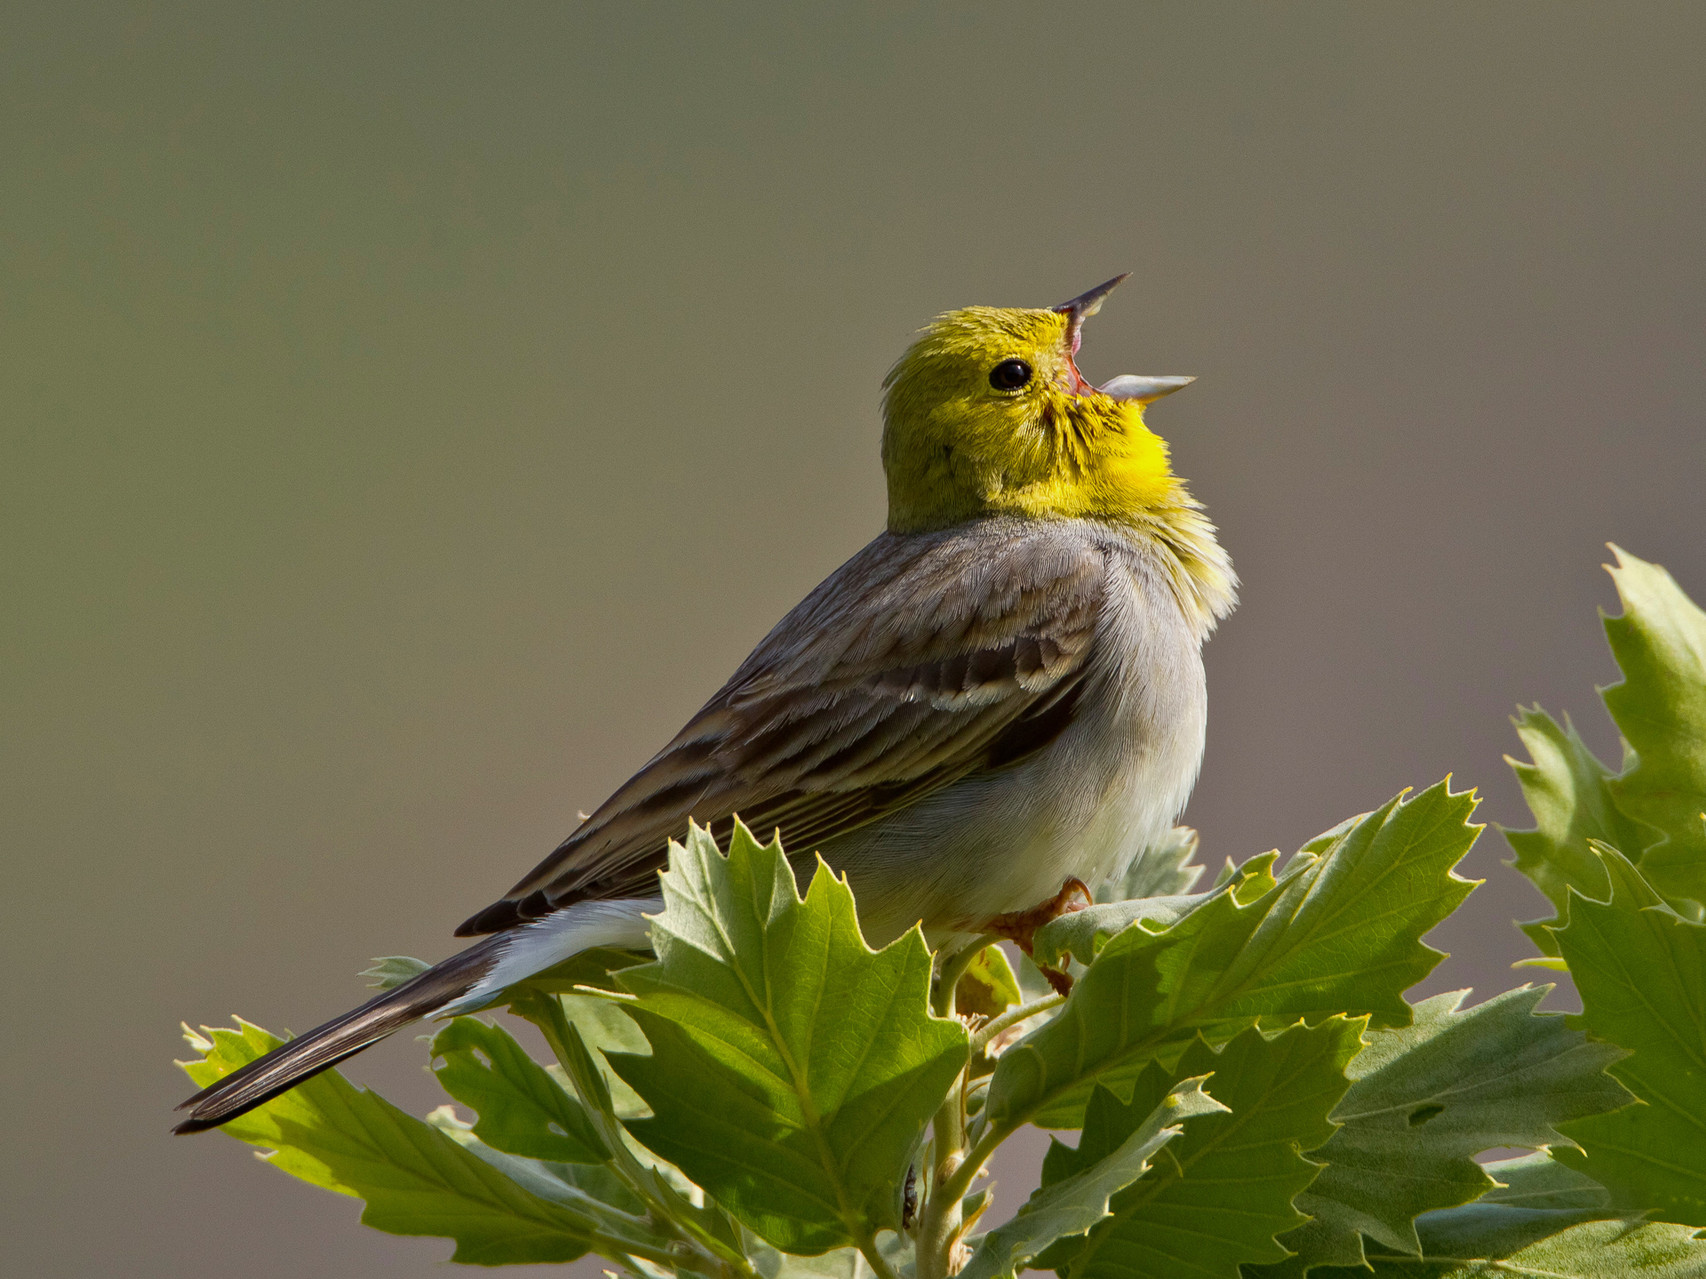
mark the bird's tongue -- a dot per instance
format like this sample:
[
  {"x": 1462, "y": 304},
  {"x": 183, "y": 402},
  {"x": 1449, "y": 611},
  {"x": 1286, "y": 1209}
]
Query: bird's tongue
[{"x": 1127, "y": 386}]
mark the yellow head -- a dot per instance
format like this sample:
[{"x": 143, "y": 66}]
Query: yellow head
[{"x": 987, "y": 414}]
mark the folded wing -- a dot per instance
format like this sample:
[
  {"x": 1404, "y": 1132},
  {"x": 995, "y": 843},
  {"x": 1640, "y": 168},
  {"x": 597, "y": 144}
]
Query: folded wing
[{"x": 920, "y": 661}]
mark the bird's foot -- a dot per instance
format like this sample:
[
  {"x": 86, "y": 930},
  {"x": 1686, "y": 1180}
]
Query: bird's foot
[{"x": 1020, "y": 927}]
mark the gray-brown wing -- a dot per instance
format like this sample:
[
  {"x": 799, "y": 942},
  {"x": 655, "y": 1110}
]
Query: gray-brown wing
[{"x": 921, "y": 660}]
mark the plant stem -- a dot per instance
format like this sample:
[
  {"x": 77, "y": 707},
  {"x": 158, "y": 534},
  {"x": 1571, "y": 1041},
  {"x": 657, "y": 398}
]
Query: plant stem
[
  {"x": 546, "y": 1012},
  {"x": 959, "y": 1180},
  {"x": 987, "y": 1032},
  {"x": 941, "y": 1216},
  {"x": 875, "y": 1259},
  {"x": 954, "y": 965},
  {"x": 620, "y": 1250}
]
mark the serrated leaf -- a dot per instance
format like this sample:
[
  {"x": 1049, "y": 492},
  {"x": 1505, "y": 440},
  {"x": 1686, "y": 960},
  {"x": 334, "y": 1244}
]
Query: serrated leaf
[
  {"x": 838, "y": 1263},
  {"x": 1469, "y": 1242},
  {"x": 522, "y": 1109},
  {"x": 1084, "y": 932},
  {"x": 1078, "y": 1199},
  {"x": 604, "y": 1028},
  {"x": 1537, "y": 1198},
  {"x": 1222, "y": 1191},
  {"x": 1330, "y": 837},
  {"x": 1568, "y": 790},
  {"x": 988, "y": 986},
  {"x": 1341, "y": 933},
  {"x": 1426, "y": 1098},
  {"x": 1660, "y": 708},
  {"x": 1161, "y": 869},
  {"x": 1538, "y": 1181},
  {"x": 793, "y": 1068},
  {"x": 416, "y": 1179},
  {"x": 391, "y": 971},
  {"x": 586, "y": 1071},
  {"x": 1640, "y": 969},
  {"x": 547, "y": 1176}
]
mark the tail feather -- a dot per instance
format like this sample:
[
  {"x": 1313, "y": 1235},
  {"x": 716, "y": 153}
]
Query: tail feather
[{"x": 325, "y": 1046}]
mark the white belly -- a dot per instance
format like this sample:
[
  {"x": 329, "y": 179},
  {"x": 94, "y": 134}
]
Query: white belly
[{"x": 1115, "y": 780}]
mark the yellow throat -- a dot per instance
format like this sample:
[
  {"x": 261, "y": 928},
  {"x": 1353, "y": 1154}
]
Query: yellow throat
[{"x": 987, "y": 414}]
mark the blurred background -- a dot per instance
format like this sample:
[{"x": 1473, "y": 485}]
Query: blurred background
[{"x": 412, "y": 412}]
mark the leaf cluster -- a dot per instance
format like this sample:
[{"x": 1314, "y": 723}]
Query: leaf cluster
[
  {"x": 1236, "y": 1082},
  {"x": 1622, "y": 857}
]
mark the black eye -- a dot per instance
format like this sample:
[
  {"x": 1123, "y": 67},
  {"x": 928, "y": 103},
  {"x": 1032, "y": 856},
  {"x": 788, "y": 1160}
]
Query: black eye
[{"x": 1009, "y": 375}]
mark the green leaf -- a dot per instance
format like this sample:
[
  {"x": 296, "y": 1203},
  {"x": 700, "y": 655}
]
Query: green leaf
[
  {"x": 1075, "y": 1202},
  {"x": 1538, "y": 1181},
  {"x": 1640, "y": 969},
  {"x": 1222, "y": 1192},
  {"x": 1568, "y": 791},
  {"x": 1530, "y": 1226},
  {"x": 391, "y": 971},
  {"x": 1341, "y": 933},
  {"x": 673, "y": 1197},
  {"x": 416, "y": 1179},
  {"x": 1469, "y": 1242},
  {"x": 988, "y": 986},
  {"x": 1537, "y": 1198},
  {"x": 522, "y": 1109},
  {"x": 1161, "y": 869},
  {"x": 603, "y": 1028},
  {"x": 1428, "y": 1097},
  {"x": 596, "y": 1180},
  {"x": 597, "y": 968},
  {"x": 838, "y": 1263},
  {"x": 1083, "y": 933},
  {"x": 1660, "y": 708},
  {"x": 793, "y": 1068}
]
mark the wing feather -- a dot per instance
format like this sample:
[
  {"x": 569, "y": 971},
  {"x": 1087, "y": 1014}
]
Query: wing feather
[{"x": 920, "y": 661}]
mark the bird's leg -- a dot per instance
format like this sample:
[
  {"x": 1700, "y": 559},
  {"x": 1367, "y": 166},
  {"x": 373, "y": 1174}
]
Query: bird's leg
[{"x": 1020, "y": 927}]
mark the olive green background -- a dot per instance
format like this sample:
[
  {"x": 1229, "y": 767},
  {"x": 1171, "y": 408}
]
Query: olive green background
[{"x": 412, "y": 412}]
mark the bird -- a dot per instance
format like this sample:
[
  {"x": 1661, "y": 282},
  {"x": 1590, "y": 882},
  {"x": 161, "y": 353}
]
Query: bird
[{"x": 1000, "y": 696}]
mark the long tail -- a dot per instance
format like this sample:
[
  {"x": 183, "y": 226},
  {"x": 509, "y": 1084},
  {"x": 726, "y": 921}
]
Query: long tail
[
  {"x": 325, "y": 1046},
  {"x": 472, "y": 975}
]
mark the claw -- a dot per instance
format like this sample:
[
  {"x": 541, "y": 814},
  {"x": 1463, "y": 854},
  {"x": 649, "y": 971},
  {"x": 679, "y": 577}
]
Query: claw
[{"x": 1020, "y": 927}]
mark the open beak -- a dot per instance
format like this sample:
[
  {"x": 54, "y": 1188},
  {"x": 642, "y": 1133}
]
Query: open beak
[
  {"x": 1131, "y": 386},
  {"x": 1085, "y": 305},
  {"x": 1127, "y": 386}
]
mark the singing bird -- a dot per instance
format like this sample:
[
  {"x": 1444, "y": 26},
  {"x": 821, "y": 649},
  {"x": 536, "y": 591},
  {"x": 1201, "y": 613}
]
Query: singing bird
[{"x": 1003, "y": 692}]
